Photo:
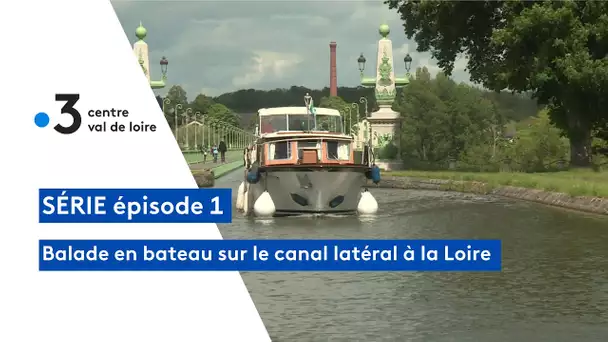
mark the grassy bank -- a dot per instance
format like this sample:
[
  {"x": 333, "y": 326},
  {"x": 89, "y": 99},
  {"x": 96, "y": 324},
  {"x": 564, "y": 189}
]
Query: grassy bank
[{"x": 574, "y": 183}]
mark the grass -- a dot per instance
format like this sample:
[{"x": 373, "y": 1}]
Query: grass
[
  {"x": 574, "y": 182},
  {"x": 197, "y": 157}
]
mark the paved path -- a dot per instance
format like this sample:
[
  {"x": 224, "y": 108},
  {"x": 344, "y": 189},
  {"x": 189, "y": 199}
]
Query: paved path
[
  {"x": 196, "y": 163},
  {"x": 226, "y": 168},
  {"x": 234, "y": 160}
]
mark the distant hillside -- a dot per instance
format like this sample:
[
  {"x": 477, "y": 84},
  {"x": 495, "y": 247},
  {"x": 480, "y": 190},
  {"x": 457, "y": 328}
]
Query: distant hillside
[{"x": 246, "y": 102}]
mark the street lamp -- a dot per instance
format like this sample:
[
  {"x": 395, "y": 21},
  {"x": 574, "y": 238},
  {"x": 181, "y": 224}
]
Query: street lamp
[
  {"x": 348, "y": 121},
  {"x": 408, "y": 62},
  {"x": 167, "y": 102},
  {"x": 210, "y": 131},
  {"x": 178, "y": 107},
  {"x": 202, "y": 127},
  {"x": 187, "y": 117},
  {"x": 364, "y": 101},
  {"x": 361, "y": 61},
  {"x": 164, "y": 64}
]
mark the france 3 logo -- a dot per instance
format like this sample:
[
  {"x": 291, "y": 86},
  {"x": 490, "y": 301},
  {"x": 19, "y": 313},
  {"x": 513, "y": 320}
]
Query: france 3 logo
[{"x": 42, "y": 119}]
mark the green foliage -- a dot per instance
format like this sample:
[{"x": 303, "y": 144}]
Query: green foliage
[
  {"x": 202, "y": 107},
  {"x": 447, "y": 123},
  {"x": 555, "y": 50},
  {"x": 202, "y": 104},
  {"x": 349, "y": 111},
  {"x": 388, "y": 151},
  {"x": 442, "y": 119},
  {"x": 221, "y": 113},
  {"x": 333, "y": 102},
  {"x": 539, "y": 147}
]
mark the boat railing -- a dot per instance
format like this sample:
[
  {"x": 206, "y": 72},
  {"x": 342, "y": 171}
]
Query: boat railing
[{"x": 321, "y": 139}]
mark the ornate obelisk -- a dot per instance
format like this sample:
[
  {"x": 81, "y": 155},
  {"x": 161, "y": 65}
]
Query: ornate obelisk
[
  {"x": 385, "y": 123},
  {"x": 140, "y": 48}
]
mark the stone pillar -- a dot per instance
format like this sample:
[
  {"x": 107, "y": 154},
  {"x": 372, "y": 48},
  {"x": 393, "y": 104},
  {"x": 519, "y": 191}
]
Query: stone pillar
[
  {"x": 333, "y": 76},
  {"x": 386, "y": 123},
  {"x": 140, "y": 48}
]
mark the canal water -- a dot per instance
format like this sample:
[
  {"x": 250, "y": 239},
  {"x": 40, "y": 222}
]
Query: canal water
[{"x": 554, "y": 284}]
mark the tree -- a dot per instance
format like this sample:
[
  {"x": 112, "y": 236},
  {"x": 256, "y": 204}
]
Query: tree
[
  {"x": 423, "y": 112},
  {"x": 221, "y": 113},
  {"x": 443, "y": 121},
  {"x": 539, "y": 146},
  {"x": 202, "y": 104},
  {"x": 333, "y": 102},
  {"x": 556, "y": 50}
]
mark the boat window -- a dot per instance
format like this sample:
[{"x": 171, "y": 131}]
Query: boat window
[
  {"x": 273, "y": 123},
  {"x": 300, "y": 122},
  {"x": 280, "y": 150},
  {"x": 326, "y": 123},
  {"x": 338, "y": 150},
  {"x": 308, "y": 145}
]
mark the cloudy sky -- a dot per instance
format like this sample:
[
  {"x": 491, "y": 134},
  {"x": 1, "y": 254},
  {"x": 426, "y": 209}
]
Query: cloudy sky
[{"x": 220, "y": 46}]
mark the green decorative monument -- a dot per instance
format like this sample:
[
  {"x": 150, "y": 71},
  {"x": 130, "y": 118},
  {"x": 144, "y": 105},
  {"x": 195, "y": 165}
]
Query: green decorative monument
[
  {"x": 384, "y": 124},
  {"x": 141, "y": 51}
]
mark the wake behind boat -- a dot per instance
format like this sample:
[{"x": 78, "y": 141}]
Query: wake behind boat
[{"x": 304, "y": 163}]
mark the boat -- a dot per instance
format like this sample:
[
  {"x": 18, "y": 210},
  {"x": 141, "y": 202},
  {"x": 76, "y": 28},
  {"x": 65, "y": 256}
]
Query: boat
[{"x": 305, "y": 163}]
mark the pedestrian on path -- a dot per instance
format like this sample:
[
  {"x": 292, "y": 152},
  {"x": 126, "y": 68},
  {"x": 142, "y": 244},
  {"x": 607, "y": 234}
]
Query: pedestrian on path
[
  {"x": 245, "y": 151},
  {"x": 204, "y": 151},
  {"x": 215, "y": 153},
  {"x": 222, "y": 149}
]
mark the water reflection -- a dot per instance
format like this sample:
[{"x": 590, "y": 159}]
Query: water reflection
[{"x": 554, "y": 284}]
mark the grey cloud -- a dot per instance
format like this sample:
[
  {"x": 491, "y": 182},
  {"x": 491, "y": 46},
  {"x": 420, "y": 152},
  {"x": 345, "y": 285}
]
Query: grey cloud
[{"x": 222, "y": 46}]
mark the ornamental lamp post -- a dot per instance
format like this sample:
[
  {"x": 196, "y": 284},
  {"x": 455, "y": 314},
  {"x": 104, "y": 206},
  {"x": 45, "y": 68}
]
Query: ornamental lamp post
[
  {"x": 167, "y": 102},
  {"x": 178, "y": 107},
  {"x": 190, "y": 124},
  {"x": 164, "y": 65},
  {"x": 361, "y": 60},
  {"x": 210, "y": 131},
  {"x": 188, "y": 113},
  {"x": 408, "y": 63},
  {"x": 399, "y": 82},
  {"x": 202, "y": 127},
  {"x": 230, "y": 137},
  {"x": 363, "y": 100}
]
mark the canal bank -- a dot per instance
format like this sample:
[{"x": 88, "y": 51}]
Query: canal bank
[{"x": 591, "y": 204}]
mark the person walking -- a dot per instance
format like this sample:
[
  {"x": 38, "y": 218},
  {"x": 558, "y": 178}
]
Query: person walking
[
  {"x": 214, "y": 151},
  {"x": 204, "y": 152},
  {"x": 245, "y": 151},
  {"x": 222, "y": 148}
]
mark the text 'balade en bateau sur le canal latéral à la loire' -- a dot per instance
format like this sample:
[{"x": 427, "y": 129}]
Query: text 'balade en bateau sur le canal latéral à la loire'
[
  {"x": 396, "y": 253},
  {"x": 116, "y": 120},
  {"x": 326, "y": 253}
]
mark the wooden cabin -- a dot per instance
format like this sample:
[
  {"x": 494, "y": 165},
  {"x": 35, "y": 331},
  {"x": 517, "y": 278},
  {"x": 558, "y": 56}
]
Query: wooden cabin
[{"x": 289, "y": 136}]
